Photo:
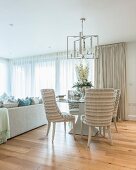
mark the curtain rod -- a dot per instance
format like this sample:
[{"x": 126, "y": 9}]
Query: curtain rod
[{"x": 113, "y": 44}]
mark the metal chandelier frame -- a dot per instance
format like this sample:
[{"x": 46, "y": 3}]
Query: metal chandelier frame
[{"x": 83, "y": 46}]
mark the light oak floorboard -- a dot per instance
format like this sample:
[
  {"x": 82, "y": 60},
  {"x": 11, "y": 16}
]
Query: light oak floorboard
[{"x": 33, "y": 151}]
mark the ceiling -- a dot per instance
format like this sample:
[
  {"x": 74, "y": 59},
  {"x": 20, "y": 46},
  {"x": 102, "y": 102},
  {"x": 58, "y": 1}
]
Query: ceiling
[{"x": 33, "y": 27}]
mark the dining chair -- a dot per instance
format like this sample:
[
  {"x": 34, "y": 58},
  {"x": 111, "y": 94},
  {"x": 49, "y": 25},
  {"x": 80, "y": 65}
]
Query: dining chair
[
  {"x": 73, "y": 107},
  {"x": 117, "y": 93},
  {"x": 53, "y": 112},
  {"x": 99, "y": 107}
]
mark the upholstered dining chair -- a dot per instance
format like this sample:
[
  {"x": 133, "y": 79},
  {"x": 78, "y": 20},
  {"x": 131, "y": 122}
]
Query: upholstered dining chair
[
  {"x": 99, "y": 107},
  {"x": 73, "y": 107},
  {"x": 117, "y": 93},
  {"x": 53, "y": 112}
]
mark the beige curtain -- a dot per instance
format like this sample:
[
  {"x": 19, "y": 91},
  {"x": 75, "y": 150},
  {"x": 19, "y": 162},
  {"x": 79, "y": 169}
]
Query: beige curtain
[{"x": 110, "y": 72}]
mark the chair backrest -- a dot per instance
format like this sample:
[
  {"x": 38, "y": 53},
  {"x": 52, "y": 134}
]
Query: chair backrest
[
  {"x": 99, "y": 106},
  {"x": 51, "y": 108},
  {"x": 71, "y": 94},
  {"x": 117, "y": 94}
]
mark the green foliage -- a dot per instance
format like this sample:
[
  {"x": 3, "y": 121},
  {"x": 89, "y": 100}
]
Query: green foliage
[{"x": 80, "y": 84}]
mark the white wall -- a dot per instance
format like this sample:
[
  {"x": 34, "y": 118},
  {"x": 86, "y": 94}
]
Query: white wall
[{"x": 131, "y": 80}]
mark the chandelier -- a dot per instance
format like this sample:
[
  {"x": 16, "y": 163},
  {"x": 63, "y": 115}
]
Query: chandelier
[{"x": 82, "y": 46}]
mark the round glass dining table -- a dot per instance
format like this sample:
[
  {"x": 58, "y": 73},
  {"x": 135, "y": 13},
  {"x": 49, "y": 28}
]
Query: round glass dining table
[{"x": 81, "y": 112}]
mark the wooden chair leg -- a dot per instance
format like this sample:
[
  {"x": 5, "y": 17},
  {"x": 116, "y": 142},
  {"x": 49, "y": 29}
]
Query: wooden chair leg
[
  {"x": 53, "y": 133},
  {"x": 89, "y": 136},
  {"x": 114, "y": 120},
  {"x": 65, "y": 126},
  {"x": 48, "y": 128},
  {"x": 109, "y": 134}
]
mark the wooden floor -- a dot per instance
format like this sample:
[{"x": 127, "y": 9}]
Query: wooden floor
[{"x": 32, "y": 151}]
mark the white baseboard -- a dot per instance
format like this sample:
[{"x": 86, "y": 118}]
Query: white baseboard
[{"x": 131, "y": 117}]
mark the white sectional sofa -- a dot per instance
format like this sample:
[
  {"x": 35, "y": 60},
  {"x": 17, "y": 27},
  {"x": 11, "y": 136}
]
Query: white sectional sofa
[{"x": 23, "y": 119}]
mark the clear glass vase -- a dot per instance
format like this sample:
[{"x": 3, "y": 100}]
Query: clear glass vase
[{"x": 82, "y": 92}]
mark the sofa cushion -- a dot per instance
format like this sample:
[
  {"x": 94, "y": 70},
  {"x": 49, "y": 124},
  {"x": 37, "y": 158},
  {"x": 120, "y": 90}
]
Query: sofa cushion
[
  {"x": 24, "y": 102},
  {"x": 35, "y": 100},
  {"x": 10, "y": 104},
  {"x": 4, "y": 96},
  {"x": 40, "y": 101}
]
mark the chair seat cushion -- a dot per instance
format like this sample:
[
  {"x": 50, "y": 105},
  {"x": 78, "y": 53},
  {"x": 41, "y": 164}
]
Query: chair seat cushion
[{"x": 67, "y": 116}]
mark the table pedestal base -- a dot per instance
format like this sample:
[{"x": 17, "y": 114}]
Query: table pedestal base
[
  {"x": 78, "y": 123},
  {"x": 85, "y": 130}
]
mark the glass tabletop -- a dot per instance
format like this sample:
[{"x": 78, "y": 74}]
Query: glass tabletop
[{"x": 71, "y": 100}]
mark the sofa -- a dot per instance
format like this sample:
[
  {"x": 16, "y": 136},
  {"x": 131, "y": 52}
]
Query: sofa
[{"x": 26, "y": 118}]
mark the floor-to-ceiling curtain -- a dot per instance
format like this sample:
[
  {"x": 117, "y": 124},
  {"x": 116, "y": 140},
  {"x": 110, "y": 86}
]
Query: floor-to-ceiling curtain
[
  {"x": 44, "y": 75},
  {"x": 4, "y": 76},
  {"x": 110, "y": 72},
  {"x": 30, "y": 74}
]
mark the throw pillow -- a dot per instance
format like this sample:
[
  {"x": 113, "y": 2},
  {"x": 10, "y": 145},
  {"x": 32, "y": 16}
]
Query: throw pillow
[
  {"x": 24, "y": 102},
  {"x": 30, "y": 99},
  {"x": 35, "y": 100},
  {"x": 40, "y": 101},
  {"x": 10, "y": 104}
]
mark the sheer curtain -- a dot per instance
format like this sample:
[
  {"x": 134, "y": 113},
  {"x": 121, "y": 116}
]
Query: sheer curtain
[
  {"x": 4, "y": 78},
  {"x": 44, "y": 76},
  {"x": 29, "y": 75},
  {"x": 21, "y": 80},
  {"x": 66, "y": 75}
]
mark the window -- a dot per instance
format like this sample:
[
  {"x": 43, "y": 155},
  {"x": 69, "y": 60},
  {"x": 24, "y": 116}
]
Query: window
[
  {"x": 18, "y": 80},
  {"x": 31, "y": 75},
  {"x": 4, "y": 77},
  {"x": 44, "y": 76}
]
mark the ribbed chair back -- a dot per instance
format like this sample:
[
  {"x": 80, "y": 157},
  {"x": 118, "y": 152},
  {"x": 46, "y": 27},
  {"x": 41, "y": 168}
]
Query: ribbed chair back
[
  {"x": 53, "y": 112},
  {"x": 73, "y": 107},
  {"x": 117, "y": 98},
  {"x": 50, "y": 105},
  {"x": 99, "y": 106},
  {"x": 117, "y": 94}
]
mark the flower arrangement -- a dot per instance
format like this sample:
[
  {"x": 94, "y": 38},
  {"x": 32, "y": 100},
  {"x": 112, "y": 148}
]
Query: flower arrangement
[
  {"x": 86, "y": 83},
  {"x": 82, "y": 72}
]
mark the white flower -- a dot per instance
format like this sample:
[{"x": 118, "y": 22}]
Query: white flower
[{"x": 82, "y": 72}]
